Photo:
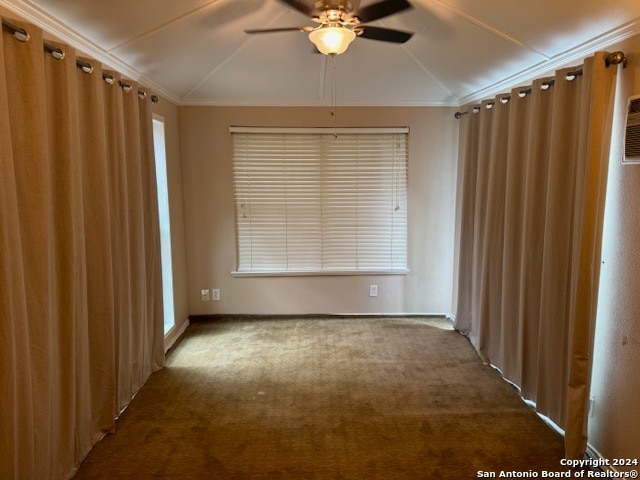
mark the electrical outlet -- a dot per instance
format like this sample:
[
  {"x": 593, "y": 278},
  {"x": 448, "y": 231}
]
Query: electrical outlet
[
  {"x": 215, "y": 294},
  {"x": 373, "y": 290},
  {"x": 204, "y": 295}
]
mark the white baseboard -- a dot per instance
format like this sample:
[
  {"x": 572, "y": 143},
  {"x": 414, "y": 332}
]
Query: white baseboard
[
  {"x": 594, "y": 454},
  {"x": 174, "y": 334}
]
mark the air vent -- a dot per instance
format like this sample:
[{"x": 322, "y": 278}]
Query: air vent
[{"x": 632, "y": 132}]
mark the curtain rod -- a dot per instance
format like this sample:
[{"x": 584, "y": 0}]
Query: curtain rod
[
  {"x": 23, "y": 36},
  {"x": 18, "y": 32},
  {"x": 614, "y": 58}
]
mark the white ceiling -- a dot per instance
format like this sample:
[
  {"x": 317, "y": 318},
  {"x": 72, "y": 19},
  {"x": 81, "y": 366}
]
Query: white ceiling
[{"x": 195, "y": 52}]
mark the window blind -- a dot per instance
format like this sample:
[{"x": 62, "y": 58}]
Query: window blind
[{"x": 320, "y": 200}]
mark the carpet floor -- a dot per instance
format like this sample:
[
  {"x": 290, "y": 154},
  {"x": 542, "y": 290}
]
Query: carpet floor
[{"x": 324, "y": 398}]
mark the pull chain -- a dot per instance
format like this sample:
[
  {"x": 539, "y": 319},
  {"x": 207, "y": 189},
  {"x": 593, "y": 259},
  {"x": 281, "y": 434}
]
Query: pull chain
[{"x": 333, "y": 94}]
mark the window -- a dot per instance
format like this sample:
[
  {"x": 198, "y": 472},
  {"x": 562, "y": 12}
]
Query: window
[
  {"x": 312, "y": 201},
  {"x": 165, "y": 227}
]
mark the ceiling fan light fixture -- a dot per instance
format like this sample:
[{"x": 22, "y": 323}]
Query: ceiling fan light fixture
[{"x": 332, "y": 39}]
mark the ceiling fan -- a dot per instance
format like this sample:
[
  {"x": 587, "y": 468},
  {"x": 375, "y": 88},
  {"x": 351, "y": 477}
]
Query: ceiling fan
[{"x": 340, "y": 23}]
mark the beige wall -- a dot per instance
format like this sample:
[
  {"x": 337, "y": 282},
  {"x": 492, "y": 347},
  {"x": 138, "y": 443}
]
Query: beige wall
[
  {"x": 169, "y": 113},
  {"x": 614, "y": 423},
  {"x": 210, "y": 230}
]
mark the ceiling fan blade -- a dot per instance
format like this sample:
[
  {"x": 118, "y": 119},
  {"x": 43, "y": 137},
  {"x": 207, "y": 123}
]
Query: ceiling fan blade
[
  {"x": 301, "y": 7},
  {"x": 276, "y": 30},
  {"x": 382, "y": 34},
  {"x": 381, "y": 9}
]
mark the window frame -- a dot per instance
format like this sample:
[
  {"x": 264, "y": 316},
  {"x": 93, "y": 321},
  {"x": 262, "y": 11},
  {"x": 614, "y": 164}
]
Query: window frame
[{"x": 335, "y": 132}]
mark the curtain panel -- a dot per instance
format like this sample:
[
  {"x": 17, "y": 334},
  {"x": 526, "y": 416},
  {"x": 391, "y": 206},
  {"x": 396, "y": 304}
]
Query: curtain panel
[
  {"x": 80, "y": 297},
  {"x": 533, "y": 178}
]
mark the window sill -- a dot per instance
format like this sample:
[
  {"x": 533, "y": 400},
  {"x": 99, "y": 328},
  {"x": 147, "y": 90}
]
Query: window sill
[{"x": 320, "y": 274}]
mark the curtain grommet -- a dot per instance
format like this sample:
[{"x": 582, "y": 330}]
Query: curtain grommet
[{"x": 126, "y": 87}]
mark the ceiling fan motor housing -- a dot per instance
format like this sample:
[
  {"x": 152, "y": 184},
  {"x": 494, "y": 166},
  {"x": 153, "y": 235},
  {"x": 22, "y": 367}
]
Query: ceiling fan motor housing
[
  {"x": 340, "y": 24},
  {"x": 341, "y": 5}
]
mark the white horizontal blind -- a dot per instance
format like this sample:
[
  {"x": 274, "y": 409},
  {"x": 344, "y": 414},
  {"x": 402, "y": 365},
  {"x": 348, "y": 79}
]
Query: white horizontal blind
[{"x": 311, "y": 201}]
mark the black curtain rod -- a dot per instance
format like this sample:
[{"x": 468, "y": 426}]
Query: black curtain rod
[
  {"x": 22, "y": 35},
  {"x": 614, "y": 58}
]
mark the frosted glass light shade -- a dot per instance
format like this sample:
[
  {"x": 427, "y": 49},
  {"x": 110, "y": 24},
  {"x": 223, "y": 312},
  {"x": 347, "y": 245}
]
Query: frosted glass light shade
[{"x": 332, "y": 40}]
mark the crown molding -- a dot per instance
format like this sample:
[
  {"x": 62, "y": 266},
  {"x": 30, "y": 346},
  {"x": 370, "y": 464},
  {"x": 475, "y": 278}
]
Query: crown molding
[
  {"x": 31, "y": 13},
  {"x": 572, "y": 56},
  {"x": 314, "y": 104}
]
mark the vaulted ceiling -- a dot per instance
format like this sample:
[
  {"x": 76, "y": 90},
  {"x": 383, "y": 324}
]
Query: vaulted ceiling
[{"x": 195, "y": 52}]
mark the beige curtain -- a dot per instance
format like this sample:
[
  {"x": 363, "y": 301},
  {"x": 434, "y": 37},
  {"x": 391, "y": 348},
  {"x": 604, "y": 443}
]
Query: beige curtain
[
  {"x": 533, "y": 178},
  {"x": 80, "y": 303}
]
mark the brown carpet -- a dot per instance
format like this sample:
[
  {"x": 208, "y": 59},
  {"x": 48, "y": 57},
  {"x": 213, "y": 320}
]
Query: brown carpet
[{"x": 324, "y": 398}]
